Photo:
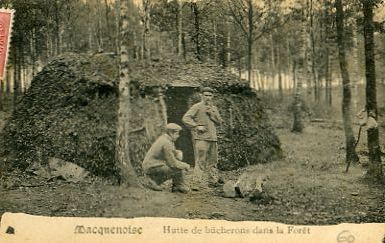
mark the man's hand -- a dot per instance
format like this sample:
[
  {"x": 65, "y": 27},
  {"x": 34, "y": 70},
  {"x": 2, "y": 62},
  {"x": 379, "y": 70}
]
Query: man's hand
[
  {"x": 184, "y": 166},
  {"x": 201, "y": 128},
  {"x": 209, "y": 110}
]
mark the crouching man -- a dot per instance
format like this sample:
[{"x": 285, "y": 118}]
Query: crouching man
[{"x": 163, "y": 162}]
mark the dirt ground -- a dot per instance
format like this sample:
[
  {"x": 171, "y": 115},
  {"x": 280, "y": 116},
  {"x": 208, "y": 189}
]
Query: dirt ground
[{"x": 308, "y": 187}]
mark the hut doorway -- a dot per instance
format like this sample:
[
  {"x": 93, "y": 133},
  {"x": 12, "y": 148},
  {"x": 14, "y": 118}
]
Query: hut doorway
[{"x": 178, "y": 102}]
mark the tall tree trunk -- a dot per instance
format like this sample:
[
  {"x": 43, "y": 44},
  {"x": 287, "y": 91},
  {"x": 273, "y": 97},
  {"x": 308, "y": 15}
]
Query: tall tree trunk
[
  {"x": 294, "y": 75},
  {"x": 57, "y": 28},
  {"x": 328, "y": 69},
  {"x": 197, "y": 34},
  {"x": 250, "y": 40},
  {"x": 327, "y": 77},
  {"x": 375, "y": 167},
  {"x": 228, "y": 45},
  {"x": 351, "y": 155},
  {"x": 312, "y": 48},
  {"x": 297, "y": 106},
  {"x": 356, "y": 67},
  {"x": 272, "y": 53},
  {"x": 99, "y": 27},
  {"x": 239, "y": 66},
  {"x": 8, "y": 82},
  {"x": 16, "y": 80},
  {"x": 279, "y": 65},
  {"x": 33, "y": 52},
  {"x": 146, "y": 31},
  {"x": 307, "y": 50},
  {"x": 184, "y": 46},
  {"x": 180, "y": 28},
  {"x": 107, "y": 14},
  {"x": 297, "y": 109},
  {"x": 117, "y": 26},
  {"x": 215, "y": 54},
  {"x": 289, "y": 64},
  {"x": 127, "y": 172}
]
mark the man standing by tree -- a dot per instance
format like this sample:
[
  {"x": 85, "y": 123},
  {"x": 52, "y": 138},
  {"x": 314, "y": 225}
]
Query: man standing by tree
[
  {"x": 203, "y": 118},
  {"x": 163, "y": 162}
]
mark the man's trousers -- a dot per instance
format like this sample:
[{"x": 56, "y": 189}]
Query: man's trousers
[
  {"x": 206, "y": 160},
  {"x": 160, "y": 174}
]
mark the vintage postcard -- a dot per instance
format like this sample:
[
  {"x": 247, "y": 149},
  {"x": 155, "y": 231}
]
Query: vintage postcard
[
  {"x": 6, "y": 17},
  {"x": 192, "y": 121}
]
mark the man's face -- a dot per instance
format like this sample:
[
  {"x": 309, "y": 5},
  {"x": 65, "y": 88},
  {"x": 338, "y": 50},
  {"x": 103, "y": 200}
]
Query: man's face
[
  {"x": 207, "y": 97},
  {"x": 174, "y": 135}
]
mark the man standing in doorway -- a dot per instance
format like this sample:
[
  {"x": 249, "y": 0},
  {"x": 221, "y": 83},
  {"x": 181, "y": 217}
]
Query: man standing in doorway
[{"x": 203, "y": 118}]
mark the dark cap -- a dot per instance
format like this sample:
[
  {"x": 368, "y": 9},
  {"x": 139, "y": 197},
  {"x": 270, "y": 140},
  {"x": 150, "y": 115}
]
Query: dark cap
[{"x": 207, "y": 89}]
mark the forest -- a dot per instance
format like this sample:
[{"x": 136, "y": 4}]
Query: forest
[{"x": 312, "y": 71}]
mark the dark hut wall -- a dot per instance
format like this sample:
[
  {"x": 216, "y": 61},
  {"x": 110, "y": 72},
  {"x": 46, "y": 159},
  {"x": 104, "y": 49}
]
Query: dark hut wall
[
  {"x": 67, "y": 113},
  {"x": 245, "y": 137}
]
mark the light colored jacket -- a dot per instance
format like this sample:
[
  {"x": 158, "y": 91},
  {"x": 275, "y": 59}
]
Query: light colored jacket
[
  {"x": 201, "y": 114},
  {"x": 162, "y": 152}
]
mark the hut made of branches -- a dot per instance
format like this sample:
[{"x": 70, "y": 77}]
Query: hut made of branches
[{"x": 70, "y": 112}]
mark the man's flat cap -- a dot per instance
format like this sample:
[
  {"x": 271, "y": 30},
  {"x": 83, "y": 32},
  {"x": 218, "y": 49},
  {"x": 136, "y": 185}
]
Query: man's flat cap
[
  {"x": 207, "y": 89},
  {"x": 173, "y": 127}
]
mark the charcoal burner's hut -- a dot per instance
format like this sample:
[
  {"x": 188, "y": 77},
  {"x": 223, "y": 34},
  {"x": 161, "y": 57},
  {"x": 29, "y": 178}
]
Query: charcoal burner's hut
[{"x": 69, "y": 112}]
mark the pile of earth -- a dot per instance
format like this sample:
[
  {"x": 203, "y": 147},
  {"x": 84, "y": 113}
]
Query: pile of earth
[{"x": 70, "y": 112}]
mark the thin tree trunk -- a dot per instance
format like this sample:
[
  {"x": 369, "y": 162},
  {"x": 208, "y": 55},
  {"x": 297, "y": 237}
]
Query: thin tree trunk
[
  {"x": 8, "y": 82},
  {"x": 180, "y": 28},
  {"x": 239, "y": 67},
  {"x": 280, "y": 88},
  {"x": 184, "y": 46},
  {"x": 272, "y": 53},
  {"x": 146, "y": 31},
  {"x": 228, "y": 45},
  {"x": 351, "y": 155},
  {"x": 294, "y": 75},
  {"x": 16, "y": 80},
  {"x": 312, "y": 48},
  {"x": 375, "y": 167},
  {"x": 297, "y": 109},
  {"x": 215, "y": 54},
  {"x": 107, "y": 13},
  {"x": 330, "y": 86},
  {"x": 356, "y": 68},
  {"x": 99, "y": 27},
  {"x": 127, "y": 172},
  {"x": 307, "y": 49},
  {"x": 326, "y": 76},
  {"x": 117, "y": 27},
  {"x": 250, "y": 41},
  {"x": 57, "y": 28},
  {"x": 196, "y": 13},
  {"x": 289, "y": 64},
  {"x": 33, "y": 54}
]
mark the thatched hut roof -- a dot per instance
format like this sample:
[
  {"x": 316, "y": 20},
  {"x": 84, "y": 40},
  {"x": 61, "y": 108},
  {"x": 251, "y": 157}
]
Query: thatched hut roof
[{"x": 69, "y": 112}]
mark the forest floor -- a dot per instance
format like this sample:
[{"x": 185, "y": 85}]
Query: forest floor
[{"x": 308, "y": 185}]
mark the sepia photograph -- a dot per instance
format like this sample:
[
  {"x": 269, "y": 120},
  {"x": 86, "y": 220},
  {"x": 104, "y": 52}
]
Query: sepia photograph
[{"x": 234, "y": 110}]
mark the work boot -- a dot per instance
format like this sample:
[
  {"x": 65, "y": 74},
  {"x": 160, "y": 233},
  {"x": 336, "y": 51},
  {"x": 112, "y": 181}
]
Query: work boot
[
  {"x": 180, "y": 188},
  {"x": 178, "y": 182},
  {"x": 153, "y": 185}
]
